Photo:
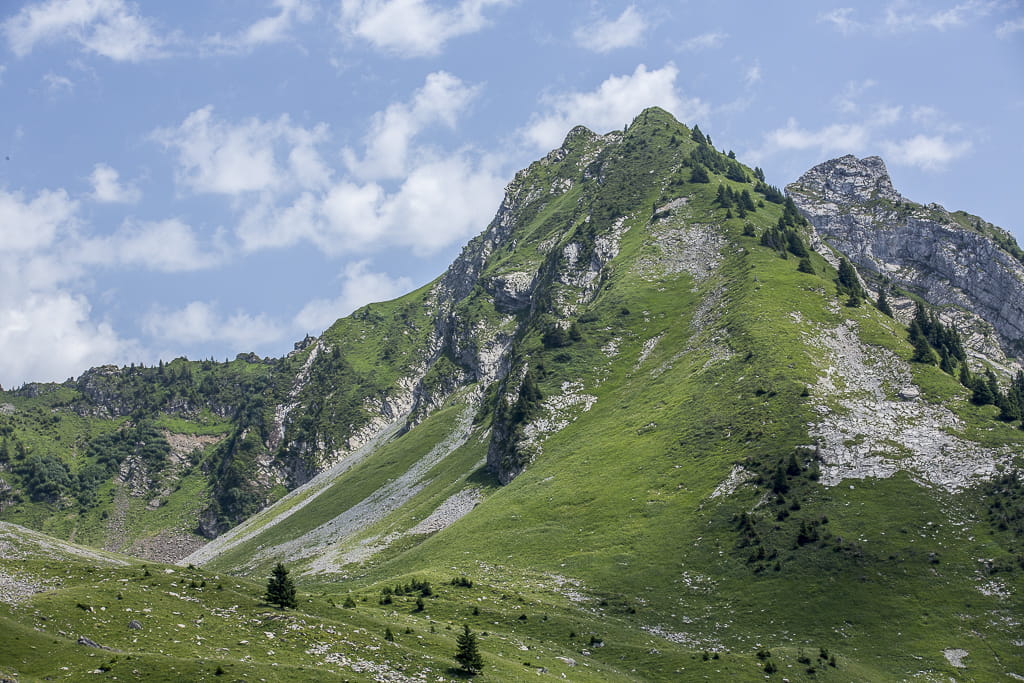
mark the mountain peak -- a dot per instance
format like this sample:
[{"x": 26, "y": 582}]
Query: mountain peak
[{"x": 849, "y": 180}]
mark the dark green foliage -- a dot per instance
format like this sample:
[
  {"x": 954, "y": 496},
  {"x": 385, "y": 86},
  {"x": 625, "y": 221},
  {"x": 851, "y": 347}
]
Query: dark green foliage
[
  {"x": 389, "y": 635},
  {"x": 1004, "y": 498},
  {"x": 733, "y": 171},
  {"x": 770, "y": 193},
  {"x": 758, "y": 173},
  {"x": 1011, "y": 404},
  {"x": 723, "y": 197},
  {"x": 922, "y": 349},
  {"x": 699, "y": 174},
  {"x": 805, "y": 266},
  {"x": 46, "y": 478},
  {"x": 462, "y": 582},
  {"x": 795, "y": 244},
  {"x": 883, "y": 302},
  {"x": 280, "y": 589},
  {"x": 697, "y": 136},
  {"x": 746, "y": 201},
  {"x": 467, "y": 654},
  {"x": 846, "y": 281}
]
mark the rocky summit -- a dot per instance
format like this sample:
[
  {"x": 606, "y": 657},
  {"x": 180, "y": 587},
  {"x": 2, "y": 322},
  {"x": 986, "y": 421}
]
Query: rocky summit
[{"x": 660, "y": 420}]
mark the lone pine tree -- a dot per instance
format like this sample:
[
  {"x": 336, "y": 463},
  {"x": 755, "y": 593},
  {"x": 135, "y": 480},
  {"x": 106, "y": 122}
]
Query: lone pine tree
[
  {"x": 280, "y": 589},
  {"x": 467, "y": 655}
]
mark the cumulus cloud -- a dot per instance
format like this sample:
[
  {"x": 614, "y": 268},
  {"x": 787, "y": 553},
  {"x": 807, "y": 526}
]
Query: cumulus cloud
[
  {"x": 359, "y": 286},
  {"x": 107, "y": 187},
  {"x": 838, "y": 137},
  {"x": 169, "y": 246},
  {"x": 30, "y": 224},
  {"x": 365, "y": 216},
  {"x": 611, "y": 105},
  {"x": 412, "y": 28},
  {"x": 606, "y": 35},
  {"x": 217, "y": 157},
  {"x": 55, "y": 338},
  {"x": 441, "y": 99},
  {"x": 203, "y": 322},
  {"x": 397, "y": 192},
  {"x": 265, "y": 31},
  {"x": 110, "y": 28},
  {"x": 927, "y": 152},
  {"x": 46, "y": 328}
]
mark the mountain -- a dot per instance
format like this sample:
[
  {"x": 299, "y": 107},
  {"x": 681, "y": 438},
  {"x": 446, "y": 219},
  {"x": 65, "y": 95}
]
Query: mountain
[{"x": 665, "y": 419}]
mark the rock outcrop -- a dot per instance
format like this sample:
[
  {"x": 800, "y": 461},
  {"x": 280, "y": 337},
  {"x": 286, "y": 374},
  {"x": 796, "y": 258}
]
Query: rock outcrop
[{"x": 949, "y": 259}]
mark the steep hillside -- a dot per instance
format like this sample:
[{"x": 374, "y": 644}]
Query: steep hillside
[
  {"x": 694, "y": 434},
  {"x": 650, "y": 415}
]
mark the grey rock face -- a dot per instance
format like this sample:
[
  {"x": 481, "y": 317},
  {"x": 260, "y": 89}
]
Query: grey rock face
[{"x": 945, "y": 259}]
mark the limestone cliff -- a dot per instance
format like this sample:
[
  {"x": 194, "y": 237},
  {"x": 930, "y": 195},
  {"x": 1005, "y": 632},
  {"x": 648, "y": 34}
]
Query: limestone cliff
[{"x": 949, "y": 259}]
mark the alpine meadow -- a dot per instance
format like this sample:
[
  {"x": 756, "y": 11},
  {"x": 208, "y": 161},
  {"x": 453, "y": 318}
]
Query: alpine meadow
[{"x": 660, "y": 420}]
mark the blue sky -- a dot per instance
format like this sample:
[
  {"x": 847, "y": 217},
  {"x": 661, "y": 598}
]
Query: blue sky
[{"x": 204, "y": 178}]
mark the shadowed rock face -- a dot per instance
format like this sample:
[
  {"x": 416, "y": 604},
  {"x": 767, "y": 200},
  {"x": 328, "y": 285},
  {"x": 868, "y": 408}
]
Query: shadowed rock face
[{"x": 852, "y": 204}]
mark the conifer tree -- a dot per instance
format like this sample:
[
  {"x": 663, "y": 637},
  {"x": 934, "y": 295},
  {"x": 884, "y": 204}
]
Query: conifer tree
[
  {"x": 468, "y": 655},
  {"x": 280, "y": 589},
  {"x": 697, "y": 136},
  {"x": 883, "y": 303},
  {"x": 699, "y": 174}
]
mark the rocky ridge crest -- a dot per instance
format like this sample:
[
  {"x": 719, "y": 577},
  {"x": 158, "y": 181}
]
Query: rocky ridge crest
[{"x": 947, "y": 259}]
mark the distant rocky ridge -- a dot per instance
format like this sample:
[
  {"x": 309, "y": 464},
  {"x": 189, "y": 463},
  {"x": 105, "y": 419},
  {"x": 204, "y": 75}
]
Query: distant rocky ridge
[{"x": 946, "y": 258}]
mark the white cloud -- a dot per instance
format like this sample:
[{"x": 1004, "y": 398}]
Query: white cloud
[
  {"x": 57, "y": 84},
  {"x": 848, "y": 101},
  {"x": 110, "y": 28},
  {"x": 606, "y": 35},
  {"x": 266, "y": 31},
  {"x": 167, "y": 246},
  {"x": 217, "y": 157},
  {"x": 927, "y": 152},
  {"x": 838, "y": 137},
  {"x": 54, "y": 338},
  {"x": 902, "y": 17},
  {"x": 107, "y": 187},
  {"x": 1009, "y": 27},
  {"x": 359, "y": 286},
  {"x": 28, "y": 225},
  {"x": 842, "y": 19},
  {"x": 398, "y": 192},
  {"x": 614, "y": 103},
  {"x": 705, "y": 41},
  {"x": 202, "y": 322},
  {"x": 412, "y": 28},
  {"x": 46, "y": 330},
  {"x": 353, "y": 216},
  {"x": 441, "y": 99},
  {"x": 753, "y": 74}
]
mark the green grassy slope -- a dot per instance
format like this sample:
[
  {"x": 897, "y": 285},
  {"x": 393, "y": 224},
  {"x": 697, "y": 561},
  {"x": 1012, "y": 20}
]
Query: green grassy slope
[
  {"x": 675, "y": 516},
  {"x": 694, "y": 371}
]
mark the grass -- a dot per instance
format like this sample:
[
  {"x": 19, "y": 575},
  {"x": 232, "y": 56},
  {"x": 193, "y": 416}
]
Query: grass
[{"x": 609, "y": 549}]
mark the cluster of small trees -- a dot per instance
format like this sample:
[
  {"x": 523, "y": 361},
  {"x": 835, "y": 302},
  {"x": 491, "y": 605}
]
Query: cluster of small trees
[
  {"x": 728, "y": 199},
  {"x": 281, "y": 592},
  {"x": 935, "y": 342}
]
